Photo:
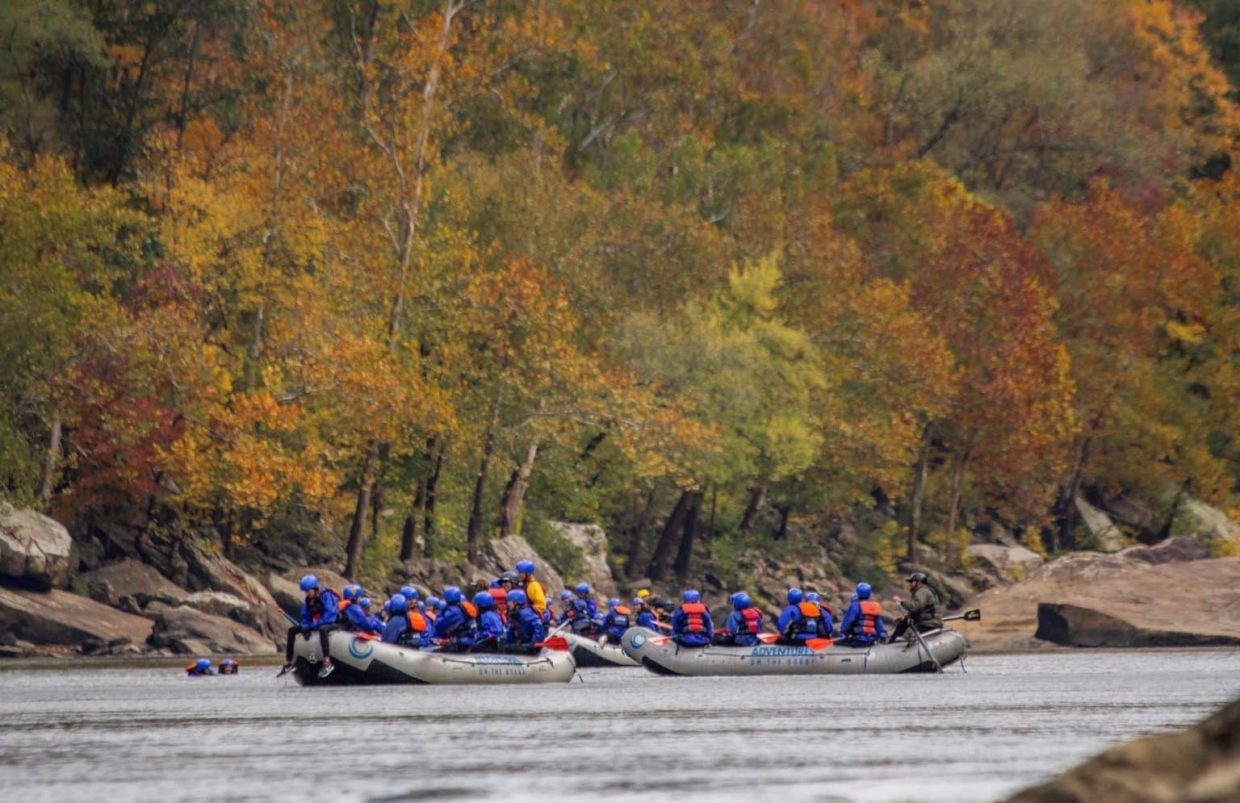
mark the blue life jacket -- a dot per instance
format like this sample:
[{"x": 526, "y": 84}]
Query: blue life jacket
[
  {"x": 616, "y": 623},
  {"x": 525, "y": 626},
  {"x": 490, "y": 627}
]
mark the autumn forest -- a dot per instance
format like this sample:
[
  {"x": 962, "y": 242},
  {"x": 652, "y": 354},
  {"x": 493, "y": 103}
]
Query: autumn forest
[{"x": 406, "y": 275}]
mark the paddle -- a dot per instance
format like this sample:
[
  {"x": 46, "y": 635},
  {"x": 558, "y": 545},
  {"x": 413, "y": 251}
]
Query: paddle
[
  {"x": 974, "y": 615},
  {"x": 913, "y": 627},
  {"x": 553, "y": 643}
]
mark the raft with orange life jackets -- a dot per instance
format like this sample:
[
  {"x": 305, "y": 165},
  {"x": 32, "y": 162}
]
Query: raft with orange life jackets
[
  {"x": 361, "y": 660},
  {"x": 661, "y": 655}
]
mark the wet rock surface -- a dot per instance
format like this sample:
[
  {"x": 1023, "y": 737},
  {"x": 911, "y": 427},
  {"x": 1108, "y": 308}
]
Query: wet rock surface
[
  {"x": 60, "y": 618},
  {"x": 34, "y": 549},
  {"x": 185, "y": 631},
  {"x": 1201, "y": 764}
]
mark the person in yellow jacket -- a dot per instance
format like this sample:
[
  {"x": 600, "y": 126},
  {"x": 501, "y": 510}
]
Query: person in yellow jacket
[{"x": 533, "y": 589}]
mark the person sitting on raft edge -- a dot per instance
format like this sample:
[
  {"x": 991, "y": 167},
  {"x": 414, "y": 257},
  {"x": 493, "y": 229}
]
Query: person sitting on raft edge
[
  {"x": 199, "y": 668},
  {"x": 691, "y": 624},
  {"x": 743, "y": 624},
  {"x": 318, "y": 612},
  {"x": 862, "y": 624},
  {"x": 525, "y": 626},
  {"x": 922, "y": 608}
]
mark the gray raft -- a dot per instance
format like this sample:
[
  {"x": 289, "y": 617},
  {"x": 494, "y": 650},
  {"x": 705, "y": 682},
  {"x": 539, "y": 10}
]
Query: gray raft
[
  {"x": 661, "y": 655},
  {"x": 590, "y": 653},
  {"x": 361, "y": 661}
]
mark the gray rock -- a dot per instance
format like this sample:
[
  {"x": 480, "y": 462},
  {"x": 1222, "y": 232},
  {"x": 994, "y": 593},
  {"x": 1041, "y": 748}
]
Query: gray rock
[
  {"x": 591, "y": 541},
  {"x": 1010, "y": 563},
  {"x": 1105, "y": 536},
  {"x": 286, "y": 593},
  {"x": 211, "y": 572},
  {"x": 502, "y": 554},
  {"x": 217, "y": 603},
  {"x": 1170, "y": 550},
  {"x": 34, "y": 549},
  {"x": 1211, "y": 526},
  {"x": 1077, "y": 626},
  {"x": 132, "y": 578},
  {"x": 185, "y": 631},
  {"x": 58, "y": 617}
]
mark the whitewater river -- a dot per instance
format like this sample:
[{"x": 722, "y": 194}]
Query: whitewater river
[{"x": 149, "y": 733}]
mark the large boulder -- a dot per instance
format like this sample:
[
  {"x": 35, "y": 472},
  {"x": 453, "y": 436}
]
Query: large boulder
[
  {"x": 1104, "y": 536},
  {"x": 131, "y": 578},
  {"x": 207, "y": 571},
  {"x": 1211, "y": 526},
  {"x": 58, "y": 617},
  {"x": 1150, "y": 599},
  {"x": 34, "y": 549},
  {"x": 591, "y": 542},
  {"x": 1200, "y": 764},
  {"x": 188, "y": 631},
  {"x": 1010, "y": 563},
  {"x": 502, "y": 554},
  {"x": 1077, "y": 626}
]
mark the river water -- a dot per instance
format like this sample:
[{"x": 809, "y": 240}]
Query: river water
[{"x": 150, "y": 733}]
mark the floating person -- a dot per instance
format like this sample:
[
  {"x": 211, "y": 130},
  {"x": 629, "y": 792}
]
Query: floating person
[
  {"x": 691, "y": 624},
  {"x": 862, "y": 624},
  {"x": 533, "y": 589},
  {"x": 319, "y": 613},
  {"x": 229, "y": 666},
  {"x": 922, "y": 608},
  {"x": 743, "y": 624},
  {"x": 200, "y": 668},
  {"x": 525, "y": 626}
]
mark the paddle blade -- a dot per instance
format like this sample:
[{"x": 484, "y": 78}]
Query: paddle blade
[
  {"x": 659, "y": 639},
  {"x": 555, "y": 643},
  {"x": 974, "y": 615},
  {"x": 767, "y": 638},
  {"x": 817, "y": 644}
]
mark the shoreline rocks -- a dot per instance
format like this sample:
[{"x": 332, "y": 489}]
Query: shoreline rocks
[{"x": 34, "y": 549}]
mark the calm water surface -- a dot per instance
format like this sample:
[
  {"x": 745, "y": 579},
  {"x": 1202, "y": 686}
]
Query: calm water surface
[{"x": 153, "y": 734}]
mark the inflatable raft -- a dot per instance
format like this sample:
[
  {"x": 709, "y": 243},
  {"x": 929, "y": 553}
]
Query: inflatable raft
[
  {"x": 661, "y": 655},
  {"x": 360, "y": 661},
  {"x": 589, "y": 653}
]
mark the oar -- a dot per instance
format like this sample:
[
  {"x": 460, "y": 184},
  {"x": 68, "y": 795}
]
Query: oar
[
  {"x": 911, "y": 626},
  {"x": 974, "y": 615}
]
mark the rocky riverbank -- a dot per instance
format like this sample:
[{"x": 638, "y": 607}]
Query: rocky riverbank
[
  {"x": 132, "y": 593},
  {"x": 1201, "y": 765}
]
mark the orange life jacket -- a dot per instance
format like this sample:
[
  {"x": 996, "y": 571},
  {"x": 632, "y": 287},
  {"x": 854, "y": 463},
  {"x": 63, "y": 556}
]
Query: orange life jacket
[
  {"x": 500, "y": 595},
  {"x": 469, "y": 609},
  {"x": 417, "y": 622},
  {"x": 623, "y": 610},
  {"x": 870, "y": 611},
  {"x": 751, "y": 620},
  {"x": 694, "y": 613}
]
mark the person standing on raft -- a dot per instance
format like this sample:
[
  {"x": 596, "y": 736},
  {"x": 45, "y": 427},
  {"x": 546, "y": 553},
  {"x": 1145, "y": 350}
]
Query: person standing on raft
[{"x": 921, "y": 610}]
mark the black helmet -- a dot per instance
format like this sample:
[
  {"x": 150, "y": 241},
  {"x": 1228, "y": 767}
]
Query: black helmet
[
  {"x": 918, "y": 576},
  {"x": 510, "y": 576}
]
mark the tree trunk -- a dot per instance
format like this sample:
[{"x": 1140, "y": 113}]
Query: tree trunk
[
  {"x": 409, "y": 534},
  {"x": 357, "y": 530},
  {"x": 638, "y": 534},
  {"x": 782, "y": 532},
  {"x": 428, "y": 518},
  {"x": 376, "y": 506},
  {"x": 915, "y": 504},
  {"x": 757, "y": 498},
  {"x": 657, "y": 569},
  {"x": 226, "y": 535},
  {"x": 954, "y": 510},
  {"x": 49, "y": 466},
  {"x": 689, "y": 531},
  {"x": 516, "y": 491},
  {"x": 474, "y": 530},
  {"x": 1065, "y": 508}
]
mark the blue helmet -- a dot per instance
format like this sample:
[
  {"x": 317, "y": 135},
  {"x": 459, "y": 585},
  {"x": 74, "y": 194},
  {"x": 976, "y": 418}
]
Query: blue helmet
[
  {"x": 813, "y": 597},
  {"x": 525, "y": 566},
  {"x": 692, "y": 595},
  {"x": 583, "y": 588},
  {"x": 483, "y": 599},
  {"x": 202, "y": 663},
  {"x": 567, "y": 595},
  {"x": 516, "y": 596},
  {"x": 613, "y": 603},
  {"x": 228, "y": 662},
  {"x": 308, "y": 582},
  {"x": 864, "y": 591},
  {"x": 741, "y": 600},
  {"x": 364, "y": 602},
  {"x": 409, "y": 593},
  {"x": 638, "y": 602},
  {"x": 494, "y": 582},
  {"x": 795, "y": 596},
  {"x": 398, "y": 604},
  {"x": 435, "y": 603},
  {"x": 352, "y": 591},
  {"x": 451, "y": 595}
]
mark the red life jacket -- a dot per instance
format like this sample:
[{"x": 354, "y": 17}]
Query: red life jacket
[
  {"x": 694, "y": 613},
  {"x": 870, "y": 611},
  {"x": 751, "y": 621},
  {"x": 500, "y": 595}
]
